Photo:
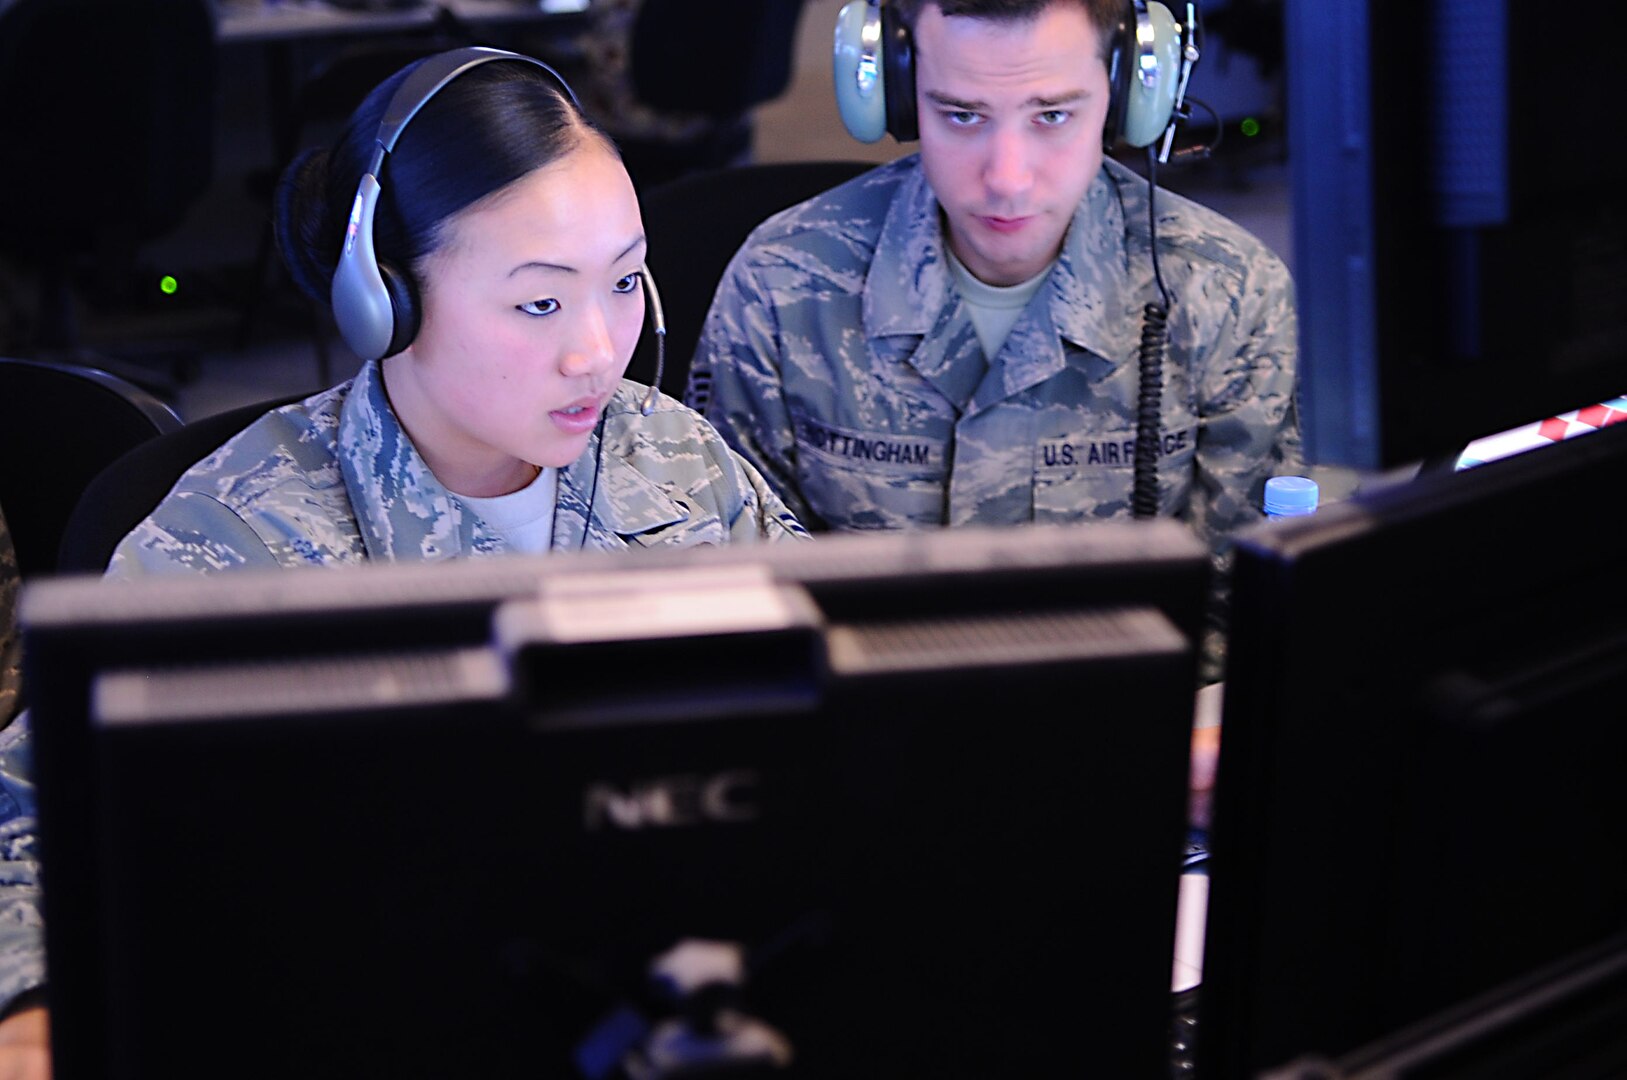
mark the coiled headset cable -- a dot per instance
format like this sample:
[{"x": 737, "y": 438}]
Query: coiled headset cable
[
  {"x": 1155, "y": 316},
  {"x": 1150, "y": 397}
]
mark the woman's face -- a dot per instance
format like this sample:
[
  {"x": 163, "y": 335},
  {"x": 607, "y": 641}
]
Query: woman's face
[{"x": 531, "y": 307}]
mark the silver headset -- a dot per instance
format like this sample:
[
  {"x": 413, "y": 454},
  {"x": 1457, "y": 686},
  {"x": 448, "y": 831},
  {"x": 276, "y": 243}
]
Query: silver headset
[{"x": 1150, "y": 60}]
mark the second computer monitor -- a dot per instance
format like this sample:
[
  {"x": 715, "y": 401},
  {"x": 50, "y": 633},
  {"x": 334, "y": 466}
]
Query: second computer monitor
[{"x": 1421, "y": 771}]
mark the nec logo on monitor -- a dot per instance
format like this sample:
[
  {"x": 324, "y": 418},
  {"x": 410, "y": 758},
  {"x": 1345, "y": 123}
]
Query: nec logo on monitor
[{"x": 672, "y": 801}]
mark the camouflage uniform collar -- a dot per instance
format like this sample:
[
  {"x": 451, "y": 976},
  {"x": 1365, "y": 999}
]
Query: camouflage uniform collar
[
  {"x": 1092, "y": 281},
  {"x": 907, "y": 290},
  {"x": 626, "y": 504},
  {"x": 405, "y": 514},
  {"x": 402, "y": 511}
]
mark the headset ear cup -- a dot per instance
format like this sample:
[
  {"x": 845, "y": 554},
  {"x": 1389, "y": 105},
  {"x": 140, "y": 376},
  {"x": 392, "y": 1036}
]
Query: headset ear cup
[
  {"x": 1119, "y": 62},
  {"x": 898, "y": 60},
  {"x": 403, "y": 307},
  {"x": 1148, "y": 108},
  {"x": 860, "y": 95}
]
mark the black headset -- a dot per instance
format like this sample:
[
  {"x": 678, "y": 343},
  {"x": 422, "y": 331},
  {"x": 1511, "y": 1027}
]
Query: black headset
[
  {"x": 374, "y": 302},
  {"x": 1148, "y": 63}
]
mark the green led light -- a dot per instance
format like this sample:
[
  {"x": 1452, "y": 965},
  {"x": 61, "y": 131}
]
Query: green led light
[
  {"x": 1250, "y": 126},
  {"x": 167, "y": 285}
]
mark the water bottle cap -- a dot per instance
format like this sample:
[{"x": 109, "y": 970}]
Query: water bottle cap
[{"x": 1290, "y": 495}]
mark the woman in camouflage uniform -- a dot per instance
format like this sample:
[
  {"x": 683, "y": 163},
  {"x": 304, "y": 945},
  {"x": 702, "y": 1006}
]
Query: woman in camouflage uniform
[
  {"x": 495, "y": 419},
  {"x": 491, "y": 415}
]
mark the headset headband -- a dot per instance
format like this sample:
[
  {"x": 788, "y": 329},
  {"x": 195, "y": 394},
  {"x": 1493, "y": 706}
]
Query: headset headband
[
  {"x": 426, "y": 80},
  {"x": 364, "y": 304}
]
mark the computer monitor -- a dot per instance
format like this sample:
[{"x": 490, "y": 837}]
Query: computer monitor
[
  {"x": 1460, "y": 244},
  {"x": 928, "y": 789},
  {"x": 1561, "y": 1020},
  {"x": 1421, "y": 767}
]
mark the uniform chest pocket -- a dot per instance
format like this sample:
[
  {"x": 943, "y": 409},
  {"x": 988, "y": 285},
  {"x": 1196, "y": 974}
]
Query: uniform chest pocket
[
  {"x": 697, "y": 528},
  {"x": 1084, "y": 477},
  {"x": 871, "y": 480}
]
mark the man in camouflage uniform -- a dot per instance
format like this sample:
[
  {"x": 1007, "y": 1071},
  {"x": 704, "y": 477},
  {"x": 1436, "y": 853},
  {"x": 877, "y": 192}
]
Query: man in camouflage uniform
[
  {"x": 335, "y": 479},
  {"x": 843, "y": 354},
  {"x": 22, "y": 950}
]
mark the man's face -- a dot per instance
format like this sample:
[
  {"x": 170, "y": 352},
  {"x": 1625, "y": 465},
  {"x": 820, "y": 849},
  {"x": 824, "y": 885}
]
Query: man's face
[{"x": 1011, "y": 117}]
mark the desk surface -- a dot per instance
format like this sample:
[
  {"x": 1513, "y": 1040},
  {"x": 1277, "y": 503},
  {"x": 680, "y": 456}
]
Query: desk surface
[
  {"x": 1191, "y": 918},
  {"x": 274, "y": 20}
]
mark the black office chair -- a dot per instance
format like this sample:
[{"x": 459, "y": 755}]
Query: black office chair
[
  {"x": 695, "y": 225},
  {"x": 130, "y": 487},
  {"x": 712, "y": 59},
  {"x": 107, "y": 133},
  {"x": 60, "y": 425},
  {"x": 716, "y": 57}
]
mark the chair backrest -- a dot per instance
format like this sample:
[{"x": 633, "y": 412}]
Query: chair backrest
[
  {"x": 330, "y": 90},
  {"x": 718, "y": 57},
  {"x": 129, "y": 488},
  {"x": 115, "y": 145},
  {"x": 60, "y": 425},
  {"x": 695, "y": 224}
]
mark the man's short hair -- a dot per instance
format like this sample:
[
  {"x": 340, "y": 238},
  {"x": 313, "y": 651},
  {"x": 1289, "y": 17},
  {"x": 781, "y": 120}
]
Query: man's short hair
[{"x": 1105, "y": 15}]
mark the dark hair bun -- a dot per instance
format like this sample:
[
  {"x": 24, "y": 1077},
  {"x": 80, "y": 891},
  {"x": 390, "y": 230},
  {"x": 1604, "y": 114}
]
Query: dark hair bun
[{"x": 302, "y": 223}]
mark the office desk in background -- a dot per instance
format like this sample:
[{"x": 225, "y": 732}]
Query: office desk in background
[
  {"x": 289, "y": 41},
  {"x": 284, "y": 20}
]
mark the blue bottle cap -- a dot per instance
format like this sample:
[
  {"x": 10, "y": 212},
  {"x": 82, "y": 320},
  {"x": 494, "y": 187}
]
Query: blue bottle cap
[{"x": 1290, "y": 496}]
